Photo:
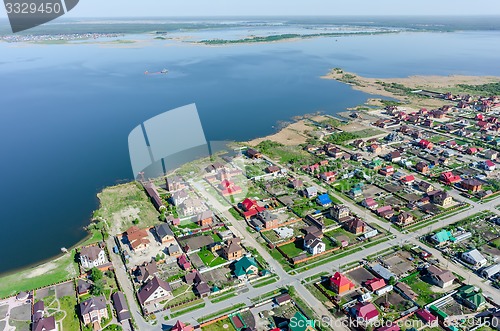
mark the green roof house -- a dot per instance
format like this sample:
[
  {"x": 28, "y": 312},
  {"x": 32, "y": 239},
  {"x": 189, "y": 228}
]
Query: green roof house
[
  {"x": 442, "y": 237},
  {"x": 300, "y": 323},
  {"x": 470, "y": 297},
  {"x": 245, "y": 267}
]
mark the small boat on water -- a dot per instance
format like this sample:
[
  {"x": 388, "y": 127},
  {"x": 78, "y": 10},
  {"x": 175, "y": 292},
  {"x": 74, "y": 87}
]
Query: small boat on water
[{"x": 163, "y": 72}]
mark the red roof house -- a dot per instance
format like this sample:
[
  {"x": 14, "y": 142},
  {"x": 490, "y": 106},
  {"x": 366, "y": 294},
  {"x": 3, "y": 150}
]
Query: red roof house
[
  {"x": 183, "y": 262},
  {"x": 425, "y": 144},
  {"x": 179, "y": 326},
  {"x": 341, "y": 283},
  {"x": 408, "y": 179},
  {"x": 375, "y": 284},
  {"x": 366, "y": 312},
  {"x": 426, "y": 316},
  {"x": 251, "y": 207},
  {"x": 449, "y": 178}
]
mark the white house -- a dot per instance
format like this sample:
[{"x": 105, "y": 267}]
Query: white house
[
  {"x": 313, "y": 244},
  {"x": 92, "y": 256},
  {"x": 491, "y": 271},
  {"x": 475, "y": 258},
  {"x": 154, "y": 291}
]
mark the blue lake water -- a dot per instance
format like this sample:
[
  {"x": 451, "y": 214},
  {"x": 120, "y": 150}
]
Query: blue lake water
[{"x": 66, "y": 110}]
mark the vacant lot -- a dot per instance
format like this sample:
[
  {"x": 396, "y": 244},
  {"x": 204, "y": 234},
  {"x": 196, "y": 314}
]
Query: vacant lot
[
  {"x": 360, "y": 275},
  {"x": 224, "y": 324}
]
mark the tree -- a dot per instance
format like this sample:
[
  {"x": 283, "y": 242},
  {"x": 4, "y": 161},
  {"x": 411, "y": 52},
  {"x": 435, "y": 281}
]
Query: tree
[
  {"x": 162, "y": 217},
  {"x": 97, "y": 288},
  {"x": 392, "y": 280},
  {"x": 96, "y": 274}
]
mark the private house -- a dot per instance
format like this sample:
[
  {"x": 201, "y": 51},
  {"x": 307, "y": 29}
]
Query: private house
[
  {"x": 92, "y": 256},
  {"x": 386, "y": 171},
  {"x": 394, "y": 156},
  {"x": 310, "y": 192},
  {"x": 490, "y": 271},
  {"x": 250, "y": 207},
  {"x": 422, "y": 167},
  {"x": 153, "y": 194},
  {"x": 370, "y": 203},
  {"x": 328, "y": 176},
  {"x": 405, "y": 218},
  {"x": 296, "y": 183},
  {"x": 425, "y": 187},
  {"x": 442, "y": 198},
  {"x": 232, "y": 250},
  {"x": 83, "y": 287},
  {"x": 340, "y": 283},
  {"x": 215, "y": 167},
  {"x": 301, "y": 323},
  {"x": 227, "y": 188},
  {"x": 489, "y": 165},
  {"x": 253, "y": 154},
  {"x": 375, "y": 149},
  {"x": 375, "y": 284},
  {"x": 475, "y": 258},
  {"x": 472, "y": 150},
  {"x": 146, "y": 271},
  {"x": 283, "y": 299},
  {"x": 138, "y": 238},
  {"x": 340, "y": 213},
  {"x": 93, "y": 311},
  {"x": 121, "y": 307},
  {"x": 425, "y": 144},
  {"x": 442, "y": 237},
  {"x": 272, "y": 169},
  {"x": 268, "y": 219},
  {"x": 324, "y": 200},
  {"x": 40, "y": 322},
  {"x": 154, "y": 291},
  {"x": 356, "y": 192},
  {"x": 408, "y": 180},
  {"x": 191, "y": 206},
  {"x": 164, "y": 233},
  {"x": 178, "y": 197},
  {"x": 355, "y": 225},
  {"x": 442, "y": 278},
  {"x": 365, "y": 313},
  {"x": 375, "y": 164},
  {"x": 245, "y": 267},
  {"x": 426, "y": 317},
  {"x": 183, "y": 262},
  {"x": 491, "y": 154},
  {"x": 205, "y": 218},
  {"x": 313, "y": 244},
  {"x": 179, "y": 326},
  {"x": 472, "y": 185},
  {"x": 449, "y": 178},
  {"x": 385, "y": 212},
  {"x": 406, "y": 291},
  {"x": 174, "y": 250},
  {"x": 468, "y": 295},
  {"x": 359, "y": 143},
  {"x": 200, "y": 286},
  {"x": 174, "y": 183}
]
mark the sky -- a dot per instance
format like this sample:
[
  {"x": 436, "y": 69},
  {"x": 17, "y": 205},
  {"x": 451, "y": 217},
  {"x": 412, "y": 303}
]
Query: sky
[{"x": 166, "y": 8}]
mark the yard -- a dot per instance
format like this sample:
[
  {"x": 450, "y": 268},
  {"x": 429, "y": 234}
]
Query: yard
[
  {"x": 60, "y": 269},
  {"x": 293, "y": 249},
  {"x": 209, "y": 259},
  {"x": 422, "y": 289},
  {"x": 224, "y": 324}
]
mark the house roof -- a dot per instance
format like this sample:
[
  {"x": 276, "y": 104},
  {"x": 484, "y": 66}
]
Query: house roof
[
  {"x": 241, "y": 266},
  {"x": 340, "y": 280},
  {"x": 146, "y": 270},
  {"x": 91, "y": 252},
  {"x": 426, "y": 315},
  {"x": 163, "y": 230},
  {"x": 366, "y": 311},
  {"x": 475, "y": 255},
  {"x": 324, "y": 199},
  {"x": 233, "y": 246},
  {"x": 382, "y": 271},
  {"x": 202, "y": 288},
  {"x": 311, "y": 190},
  {"x": 120, "y": 305},
  {"x": 92, "y": 304},
  {"x": 179, "y": 326},
  {"x": 83, "y": 286},
  {"x": 285, "y": 297},
  {"x": 150, "y": 287},
  {"x": 375, "y": 283},
  {"x": 45, "y": 324},
  {"x": 370, "y": 202},
  {"x": 444, "y": 275},
  {"x": 443, "y": 236},
  {"x": 355, "y": 223}
]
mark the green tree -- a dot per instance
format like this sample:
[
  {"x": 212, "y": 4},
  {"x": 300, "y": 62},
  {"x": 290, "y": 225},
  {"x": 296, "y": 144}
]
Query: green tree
[
  {"x": 392, "y": 280},
  {"x": 96, "y": 274},
  {"x": 97, "y": 288}
]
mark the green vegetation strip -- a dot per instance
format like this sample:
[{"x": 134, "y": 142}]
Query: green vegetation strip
[
  {"x": 330, "y": 259},
  {"x": 185, "y": 311},
  {"x": 223, "y": 297},
  {"x": 265, "y": 282},
  {"x": 192, "y": 303},
  {"x": 220, "y": 312},
  {"x": 317, "y": 276}
]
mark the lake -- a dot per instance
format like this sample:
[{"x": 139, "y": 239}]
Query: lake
[{"x": 66, "y": 110}]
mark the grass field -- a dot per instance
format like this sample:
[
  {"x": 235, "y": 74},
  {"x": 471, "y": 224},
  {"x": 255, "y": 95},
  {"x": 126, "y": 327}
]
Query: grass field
[
  {"x": 209, "y": 258},
  {"x": 68, "y": 305},
  {"x": 122, "y": 204},
  {"x": 61, "y": 269},
  {"x": 293, "y": 249},
  {"x": 224, "y": 324}
]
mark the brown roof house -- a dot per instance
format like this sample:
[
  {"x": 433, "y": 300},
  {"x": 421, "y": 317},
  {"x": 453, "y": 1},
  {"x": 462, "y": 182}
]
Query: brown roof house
[
  {"x": 205, "y": 218},
  {"x": 422, "y": 167},
  {"x": 355, "y": 225},
  {"x": 146, "y": 271},
  {"x": 232, "y": 250},
  {"x": 93, "y": 311},
  {"x": 92, "y": 256},
  {"x": 196, "y": 279},
  {"x": 340, "y": 213},
  {"x": 164, "y": 233},
  {"x": 442, "y": 199},
  {"x": 442, "y": 278},
  {"x": 270, "y": 220},
  {"x": 153, "y": 292},
  {"x": 405, "y": 218},
  {"x": 121, "y": 307},
  {"x": 473, "y": 185},
  {"x": 40, "y": 322},
  {"x": 138, "y": 238}
]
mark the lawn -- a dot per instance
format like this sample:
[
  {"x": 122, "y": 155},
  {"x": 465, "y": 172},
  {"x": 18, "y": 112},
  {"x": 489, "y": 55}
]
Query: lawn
[
  {"x": 58, "y": 270},
  {"x": 94, "y": 237},
  {"x": 423, "y": 289},
  {"x": 122, "y": 204},
  {"x": 224, "y": 324},
  {"x": 209, "y": 259},
  {"x": 293, "y": 249},
  {"x": 71, "y": 321}
]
